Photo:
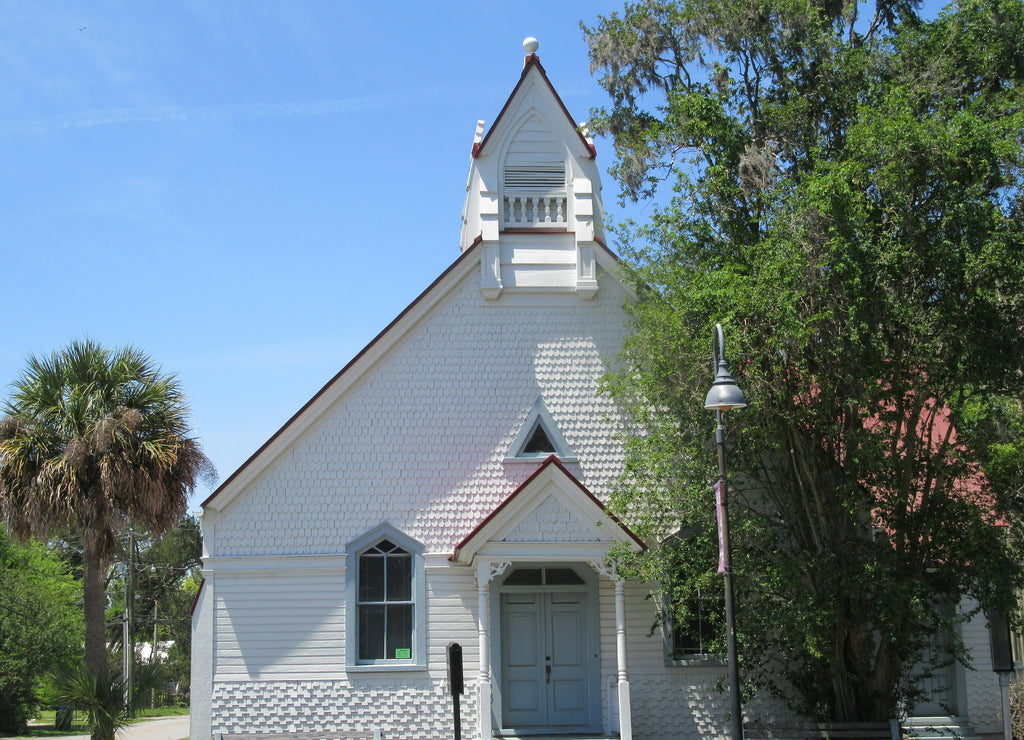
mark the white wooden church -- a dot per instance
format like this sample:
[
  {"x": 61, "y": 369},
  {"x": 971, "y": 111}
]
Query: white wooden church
[{"x": 447, "y": 486}]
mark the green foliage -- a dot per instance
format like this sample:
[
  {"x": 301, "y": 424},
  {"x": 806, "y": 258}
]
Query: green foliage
[
  {"x": 40, "y": 626},
  {"x": 96, "y": 441},
  {"x": 165, "y": 572},
  {"x": 101, "y": 696},
  {"x": 845, "y": 197}
]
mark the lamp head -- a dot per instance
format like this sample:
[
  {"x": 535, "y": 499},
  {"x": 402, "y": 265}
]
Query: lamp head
[{"x": 724, "y": 393}]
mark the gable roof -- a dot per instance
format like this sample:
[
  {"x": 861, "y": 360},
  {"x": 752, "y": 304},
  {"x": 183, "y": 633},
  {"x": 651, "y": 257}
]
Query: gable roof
[
  {"x": 533, "y": 64},
  {"x": 321, "y": 402},
  {"x": 469, "y": 260},
  {"x": 345, "y": 377},
  {"x": 518, "y": 525}
]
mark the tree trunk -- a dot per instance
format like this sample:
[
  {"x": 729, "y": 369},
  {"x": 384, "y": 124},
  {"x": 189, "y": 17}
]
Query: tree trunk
[{"x": 94, "y": 602}]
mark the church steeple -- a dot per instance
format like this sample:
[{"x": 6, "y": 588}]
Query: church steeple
[{"x": 534, "y": 194}]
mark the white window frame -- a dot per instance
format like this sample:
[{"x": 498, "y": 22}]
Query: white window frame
[{"x": 354, "y": 549}]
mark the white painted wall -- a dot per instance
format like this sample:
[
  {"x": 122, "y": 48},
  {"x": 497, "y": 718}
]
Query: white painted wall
[
  {"x": 984, "y": 699},
  {"x": 419, "y": 442},
  {"x": 201, "y": 684},
  {"x": 422, "y": 437}
]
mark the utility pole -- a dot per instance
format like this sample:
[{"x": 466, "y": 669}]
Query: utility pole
[
  {"x": 127, "y": 634},
  {"x": 153, "y": 656}
]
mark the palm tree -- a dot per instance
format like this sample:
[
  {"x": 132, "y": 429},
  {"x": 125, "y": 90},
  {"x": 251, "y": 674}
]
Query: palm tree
[{"x": 96, "y": 441}]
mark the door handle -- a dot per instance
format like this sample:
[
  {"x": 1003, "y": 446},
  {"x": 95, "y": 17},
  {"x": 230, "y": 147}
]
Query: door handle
[{"x": 547, "y": 670}]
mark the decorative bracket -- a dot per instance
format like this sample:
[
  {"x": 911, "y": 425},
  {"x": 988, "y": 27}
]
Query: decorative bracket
[
  {"x": 494, "y": 569},
  {"x": 602, "y": 568}
]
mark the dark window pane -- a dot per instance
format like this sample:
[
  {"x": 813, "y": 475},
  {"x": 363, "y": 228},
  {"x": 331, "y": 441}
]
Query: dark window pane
[
  {"x": 538, "y": 444},
  {"x": 371, "y": 578},
  {"x": 371, "y": 632},
  {"x": 399, "y": 635},
  {"x": 525, "y": 577},
  {"x": 562, "y": 577},
  {"x": 399, "y": 578},
  {"x": 695, "y": 634}
]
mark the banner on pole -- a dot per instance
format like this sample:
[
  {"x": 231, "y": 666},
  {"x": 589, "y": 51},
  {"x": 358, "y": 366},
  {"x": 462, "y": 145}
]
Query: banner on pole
[{"x": 720, "y": 514}]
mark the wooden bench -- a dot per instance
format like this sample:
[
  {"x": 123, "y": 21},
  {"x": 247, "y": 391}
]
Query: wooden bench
[
  {"x": 823, "y": 731},
  {"x": 322, "y": 735}
]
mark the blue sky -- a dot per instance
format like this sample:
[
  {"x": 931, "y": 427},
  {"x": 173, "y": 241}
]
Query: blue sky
[{"x": 247, "y": 190}]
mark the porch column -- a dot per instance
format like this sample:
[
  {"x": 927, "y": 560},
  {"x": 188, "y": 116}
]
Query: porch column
[
  {"x": 625, "y": 715},
  {"x": 485, "y": 572},
  {"x": 625, "y": 712}
]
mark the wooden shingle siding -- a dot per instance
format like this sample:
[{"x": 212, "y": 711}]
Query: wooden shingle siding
[{"x": 814, "y": 731}]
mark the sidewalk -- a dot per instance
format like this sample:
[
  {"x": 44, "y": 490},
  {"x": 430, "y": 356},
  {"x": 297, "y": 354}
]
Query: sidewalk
[{"x": 158, "y": 728}]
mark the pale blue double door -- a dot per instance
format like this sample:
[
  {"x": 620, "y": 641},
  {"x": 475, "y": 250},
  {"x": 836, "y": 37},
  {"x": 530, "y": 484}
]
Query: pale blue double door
[{"x": 546, "y": 666}]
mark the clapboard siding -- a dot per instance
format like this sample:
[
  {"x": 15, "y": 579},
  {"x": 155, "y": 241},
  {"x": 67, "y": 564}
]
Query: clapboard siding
[
  {"x": 646, "y": 649},
  {"x": 278, "y": 624},
  {"x": 534, "y": 144},
  {"x": 275, "y": 624},
  {"x": 523, "y": 250},
  {"x": 451, "y": 617}
]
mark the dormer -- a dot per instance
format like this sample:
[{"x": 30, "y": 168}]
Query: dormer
[{"x": 533, "y": 195}]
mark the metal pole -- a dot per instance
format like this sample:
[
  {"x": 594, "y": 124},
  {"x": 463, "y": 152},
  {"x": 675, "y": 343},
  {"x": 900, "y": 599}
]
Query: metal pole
[
  {"x": 735, "y": 704},
  {"x": 457, "y": 713}
]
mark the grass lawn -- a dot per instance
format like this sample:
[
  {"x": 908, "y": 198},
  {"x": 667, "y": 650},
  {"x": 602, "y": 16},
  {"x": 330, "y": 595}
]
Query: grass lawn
[{"x": 44, "y": 724}]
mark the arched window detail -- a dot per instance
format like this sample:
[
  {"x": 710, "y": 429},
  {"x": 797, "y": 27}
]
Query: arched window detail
[
  {"x": 386, "y": 603},
  {"x": 534, "y": 182}
]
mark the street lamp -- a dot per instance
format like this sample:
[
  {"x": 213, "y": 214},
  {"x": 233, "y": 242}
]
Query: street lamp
[{"x": 725, "y": 395}]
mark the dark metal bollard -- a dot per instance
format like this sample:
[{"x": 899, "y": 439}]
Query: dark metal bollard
[{"x": 456, "y": 684}]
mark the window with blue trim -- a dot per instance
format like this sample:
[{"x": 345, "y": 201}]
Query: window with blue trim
[
  {"x": 386, "y": 622},
  {"x": 385, "y": 603}
]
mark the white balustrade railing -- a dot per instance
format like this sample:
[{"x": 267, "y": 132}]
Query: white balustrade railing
[{"x": 534, "y": 210}]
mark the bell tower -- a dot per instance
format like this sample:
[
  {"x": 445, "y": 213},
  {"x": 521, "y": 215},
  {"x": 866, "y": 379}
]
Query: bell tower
[{"x": 533, "y": 196}]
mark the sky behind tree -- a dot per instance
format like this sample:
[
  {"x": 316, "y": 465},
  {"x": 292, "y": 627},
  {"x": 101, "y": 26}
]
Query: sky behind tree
[{"x": 249, "y": 191}]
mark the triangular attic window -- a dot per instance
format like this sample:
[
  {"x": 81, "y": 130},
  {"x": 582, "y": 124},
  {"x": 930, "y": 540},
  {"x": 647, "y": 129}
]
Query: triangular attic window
[
  {"x": 539, "y": 437},
  {"x": 538, "y": 443}
]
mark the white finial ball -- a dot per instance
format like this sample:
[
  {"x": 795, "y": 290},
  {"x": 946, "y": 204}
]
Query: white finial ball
[{"x": 530, "y": 44}]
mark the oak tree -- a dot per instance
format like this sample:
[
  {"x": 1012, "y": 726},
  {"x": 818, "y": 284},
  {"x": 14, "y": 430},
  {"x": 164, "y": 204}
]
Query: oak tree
[{"x": 839, "y": 184}]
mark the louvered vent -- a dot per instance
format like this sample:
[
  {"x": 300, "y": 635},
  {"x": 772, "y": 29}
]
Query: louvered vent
[
  {"x": 535, "y": 196},
  {"x": 548, "y": 178}
]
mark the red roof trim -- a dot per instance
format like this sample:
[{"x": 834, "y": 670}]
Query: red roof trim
[
  {"x": 551, "y": 460},
  {"x": 451, "y": 268},
  {"x": 534, "y": 61}
]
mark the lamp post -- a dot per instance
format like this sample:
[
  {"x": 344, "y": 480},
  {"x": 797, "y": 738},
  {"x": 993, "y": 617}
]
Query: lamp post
[{"x": 725, "y": 395}]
